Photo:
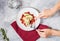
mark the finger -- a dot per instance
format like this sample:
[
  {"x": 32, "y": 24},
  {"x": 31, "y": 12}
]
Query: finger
[
  {"x": 42, "y": 34},
  {"x": 45, "y": 16},
  {"x": 41, "y": 15},
  {"x": 38, "y": 30},
  {"x": 39, "y": 33},
  {"x": 42, "y": 29}
]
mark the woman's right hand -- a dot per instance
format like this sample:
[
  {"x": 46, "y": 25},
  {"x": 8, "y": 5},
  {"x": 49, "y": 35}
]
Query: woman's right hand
[
  {"x": 49, "y": 12},
  {"x": 45, "y": 13}
]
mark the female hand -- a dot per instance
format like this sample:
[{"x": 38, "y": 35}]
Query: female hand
[
  {"x": 44, "y": 32},
  {"x": 49, "y": 12},
  {"x": 45, "y": 13}
]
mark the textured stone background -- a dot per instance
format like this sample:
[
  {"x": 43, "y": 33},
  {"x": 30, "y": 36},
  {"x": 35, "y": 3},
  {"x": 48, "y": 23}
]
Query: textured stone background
[{"x": 8, "y": 15}]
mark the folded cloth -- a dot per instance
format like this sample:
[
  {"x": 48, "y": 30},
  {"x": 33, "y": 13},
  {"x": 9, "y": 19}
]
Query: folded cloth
[{"x": 28, "y": 35}]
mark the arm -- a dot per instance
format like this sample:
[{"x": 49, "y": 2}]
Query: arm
[
  {"x": 49, "y": 12},
  {"x": 48, "y": 32},
  {"x": 55, "y": 33},
  {"x": 55, "y": 8}
]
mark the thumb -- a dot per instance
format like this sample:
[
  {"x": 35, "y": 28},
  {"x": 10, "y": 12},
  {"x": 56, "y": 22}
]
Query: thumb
[
  {"x": 40, "y": 15},
  {"x": 39, "y": 31}
]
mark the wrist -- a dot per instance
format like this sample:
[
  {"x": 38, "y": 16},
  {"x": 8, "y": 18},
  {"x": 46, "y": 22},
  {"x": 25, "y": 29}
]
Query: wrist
[
  {"x": 57, "y": 7},
  {"x": 55, "y": 33}
]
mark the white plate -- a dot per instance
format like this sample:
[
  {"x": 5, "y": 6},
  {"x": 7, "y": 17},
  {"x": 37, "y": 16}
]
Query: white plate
[{"x": 32, "y": 11}]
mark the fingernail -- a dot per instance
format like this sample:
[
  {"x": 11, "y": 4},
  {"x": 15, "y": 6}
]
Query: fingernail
[{"x": 41, "y": 31}]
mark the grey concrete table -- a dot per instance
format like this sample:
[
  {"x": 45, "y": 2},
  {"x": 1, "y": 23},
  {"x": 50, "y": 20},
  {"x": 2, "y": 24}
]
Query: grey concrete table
[{"x": 8, "y": 15}]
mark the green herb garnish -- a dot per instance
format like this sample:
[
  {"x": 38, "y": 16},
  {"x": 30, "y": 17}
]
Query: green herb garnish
[{"x": 4, "y": 35}]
